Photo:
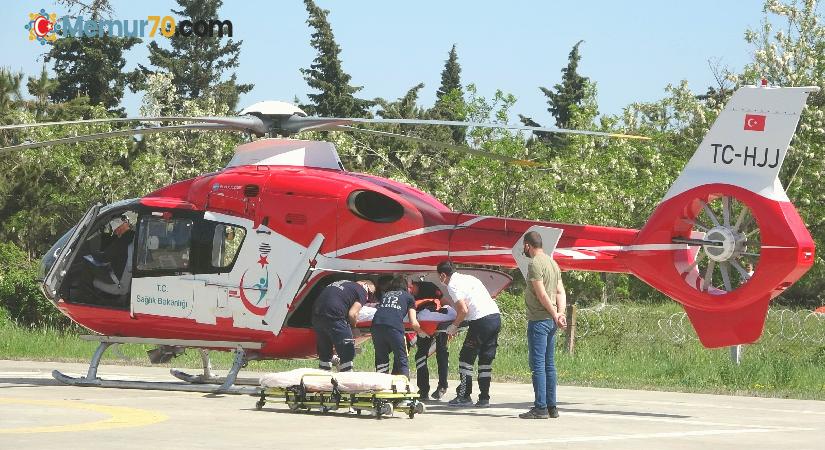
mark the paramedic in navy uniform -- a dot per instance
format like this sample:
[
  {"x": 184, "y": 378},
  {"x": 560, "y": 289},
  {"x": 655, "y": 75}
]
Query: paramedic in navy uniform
[
  {"x": 473, "y": 303},
  {"x": 388, "y": 328},
  {"x": 335, "y": 309}
]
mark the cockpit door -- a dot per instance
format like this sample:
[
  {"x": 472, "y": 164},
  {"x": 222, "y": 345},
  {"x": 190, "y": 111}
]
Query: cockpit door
[{"x": 55, "y": 276}]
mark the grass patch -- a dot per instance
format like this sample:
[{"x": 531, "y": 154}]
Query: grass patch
[{"x": 628, "y": 346}]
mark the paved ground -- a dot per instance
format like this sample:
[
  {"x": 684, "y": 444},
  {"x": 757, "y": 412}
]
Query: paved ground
[{"x": 38, "y": 413}]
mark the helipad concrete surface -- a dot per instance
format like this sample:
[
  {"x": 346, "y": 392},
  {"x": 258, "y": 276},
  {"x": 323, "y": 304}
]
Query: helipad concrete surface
[{"x": 38, "y": 413}]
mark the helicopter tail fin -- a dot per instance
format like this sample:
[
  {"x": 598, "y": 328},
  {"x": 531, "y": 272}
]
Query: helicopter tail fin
[{"x": 733, "y": 239}]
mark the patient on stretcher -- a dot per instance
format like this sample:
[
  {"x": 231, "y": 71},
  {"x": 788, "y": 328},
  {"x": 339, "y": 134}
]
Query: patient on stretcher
[{"x": 430, "y": 319}]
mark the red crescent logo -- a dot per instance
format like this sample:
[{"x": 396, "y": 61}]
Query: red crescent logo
[
  {"x": 252, "y": 308},
  {"x": 42, "y": 26}
]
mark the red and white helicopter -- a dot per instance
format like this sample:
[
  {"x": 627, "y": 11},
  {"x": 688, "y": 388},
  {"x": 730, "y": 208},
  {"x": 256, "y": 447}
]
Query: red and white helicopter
[{"x": 233, "y": 260}]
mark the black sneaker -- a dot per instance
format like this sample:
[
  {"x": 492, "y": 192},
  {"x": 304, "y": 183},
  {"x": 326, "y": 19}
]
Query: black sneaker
[
  {"x": 438, "y": 394},
  {"x": 483, "y": 403},
  {"x": 553, "y": 412},
  {"x": 461, "y": 402},
  {"x": 423, "y": 396},
  {"x": 535, "y": 413}
]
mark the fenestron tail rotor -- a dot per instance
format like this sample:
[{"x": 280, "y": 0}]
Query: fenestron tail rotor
[{"x": 725, "y": 244}]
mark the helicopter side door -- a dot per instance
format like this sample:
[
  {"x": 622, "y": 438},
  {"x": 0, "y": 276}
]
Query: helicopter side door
[{"x": 65, "y": 256}]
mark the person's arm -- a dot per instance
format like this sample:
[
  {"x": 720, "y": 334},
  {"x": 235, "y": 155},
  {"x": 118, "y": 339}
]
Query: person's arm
[
  {"x": 353, "y": 313},
  {"x": 461, "y": 311},
  {"x": 544, "y": 299},
  {"x": 561, "y": 304},
  {"x": 414, "y": 321}
]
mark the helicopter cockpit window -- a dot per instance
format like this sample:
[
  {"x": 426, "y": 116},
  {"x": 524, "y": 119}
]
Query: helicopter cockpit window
[
  {"x": 164, "y": 243},
  {"x": 226, "y": 242}
]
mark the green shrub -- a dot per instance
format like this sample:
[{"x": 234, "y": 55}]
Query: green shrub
[{"x": 20, "y": 296}]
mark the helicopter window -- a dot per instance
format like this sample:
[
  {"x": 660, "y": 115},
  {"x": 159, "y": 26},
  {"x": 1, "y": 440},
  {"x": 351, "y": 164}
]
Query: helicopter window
[
  {"x": 374, "y": 207},
  {"x": 164, "y": 243},
  {"x": 226, "y": 242}
]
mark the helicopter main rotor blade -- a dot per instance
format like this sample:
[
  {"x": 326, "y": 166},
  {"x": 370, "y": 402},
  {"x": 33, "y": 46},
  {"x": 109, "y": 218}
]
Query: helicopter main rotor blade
[
  {"x": 459, "y": 148},
  {"x": 295, "y": 124},
  {"x": 92, "y": 137},
  {"x": 243, "y": 123}
]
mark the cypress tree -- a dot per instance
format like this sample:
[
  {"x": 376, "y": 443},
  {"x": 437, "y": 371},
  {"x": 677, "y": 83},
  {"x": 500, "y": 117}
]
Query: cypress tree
[
  {"x": 326, "y": 74},
  {"x": 562, "y": 98},
  {"x": 449, "y": 104},
  {"x": 450, "y": 76},
  {"x": 570, "y": 92}
]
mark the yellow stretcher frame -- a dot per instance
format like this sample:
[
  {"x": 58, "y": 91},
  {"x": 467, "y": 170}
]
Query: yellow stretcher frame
[{"x": 378, "y": 403}]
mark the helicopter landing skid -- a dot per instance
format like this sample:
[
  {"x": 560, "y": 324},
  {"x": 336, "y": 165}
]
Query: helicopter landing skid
[
  {"x": 201, "y": 379},
  {"x": 209, "y": 377},
  {"x": 226, "y": 387}
]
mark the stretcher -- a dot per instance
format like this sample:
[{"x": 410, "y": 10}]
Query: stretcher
[{"x": 307, "y": 389}]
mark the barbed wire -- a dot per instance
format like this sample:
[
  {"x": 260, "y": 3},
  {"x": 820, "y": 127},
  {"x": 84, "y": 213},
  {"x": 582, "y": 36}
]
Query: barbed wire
[{"x": 652, "y": 324}]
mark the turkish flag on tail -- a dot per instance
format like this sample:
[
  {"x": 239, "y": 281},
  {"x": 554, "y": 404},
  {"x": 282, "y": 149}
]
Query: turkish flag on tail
[{"x": 754, "y": 122}]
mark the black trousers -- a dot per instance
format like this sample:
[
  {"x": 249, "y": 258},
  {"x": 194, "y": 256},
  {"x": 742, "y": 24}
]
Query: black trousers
[
  {"x": 442, "y": 356},
  {"x": 333, "y": 333},
  {"x": 388, "y": 339},
  {"x": 481, "y": 342}
]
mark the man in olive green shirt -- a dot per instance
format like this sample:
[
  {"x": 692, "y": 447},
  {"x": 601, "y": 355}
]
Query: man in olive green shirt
[{"x": 545, "y": 299}]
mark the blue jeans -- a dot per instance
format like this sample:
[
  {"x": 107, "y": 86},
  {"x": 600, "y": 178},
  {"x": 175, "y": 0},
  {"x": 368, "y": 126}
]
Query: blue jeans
[{"x": 541, "y": 344}]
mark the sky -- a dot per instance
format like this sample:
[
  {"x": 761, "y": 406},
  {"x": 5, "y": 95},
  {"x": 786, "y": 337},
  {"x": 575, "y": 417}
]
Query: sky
[{"x": 631, "y": 49}]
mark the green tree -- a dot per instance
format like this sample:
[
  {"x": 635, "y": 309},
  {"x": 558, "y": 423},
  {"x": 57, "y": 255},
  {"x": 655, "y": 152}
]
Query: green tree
[
  {"x": 169, "y": 157},
  {"x": 91, "y": 67},
  {"x": 95, "y": 8},
  {"x": 326, "y": 74},
  {"x": 198, "y": 64},
  {"x": 41, "y": 88},
  {"x": 563, "y": 98},
  {"x": 450, "y": 76},
  {"x": 449, "y": 104},
  {"x": 794, "y": 55},
  {"x": 10, "y": 94}
]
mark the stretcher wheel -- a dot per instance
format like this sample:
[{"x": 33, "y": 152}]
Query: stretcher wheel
[
  {"x": 260, "y": 404},
  {"x": 358, "y": 411},
  {"x": 416, "y": 407},
  {"x": 387, "y": 409}
]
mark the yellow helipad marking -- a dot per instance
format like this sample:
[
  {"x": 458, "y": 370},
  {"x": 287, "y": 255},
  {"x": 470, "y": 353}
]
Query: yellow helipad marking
[{"x": 120, "y": 417}]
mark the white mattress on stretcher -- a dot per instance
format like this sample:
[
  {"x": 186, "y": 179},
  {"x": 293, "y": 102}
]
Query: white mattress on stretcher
[
  {"x": 316, "y": 380},
  {"x": 352, "y": 382},
  {"x": 289, "y": 378}
]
